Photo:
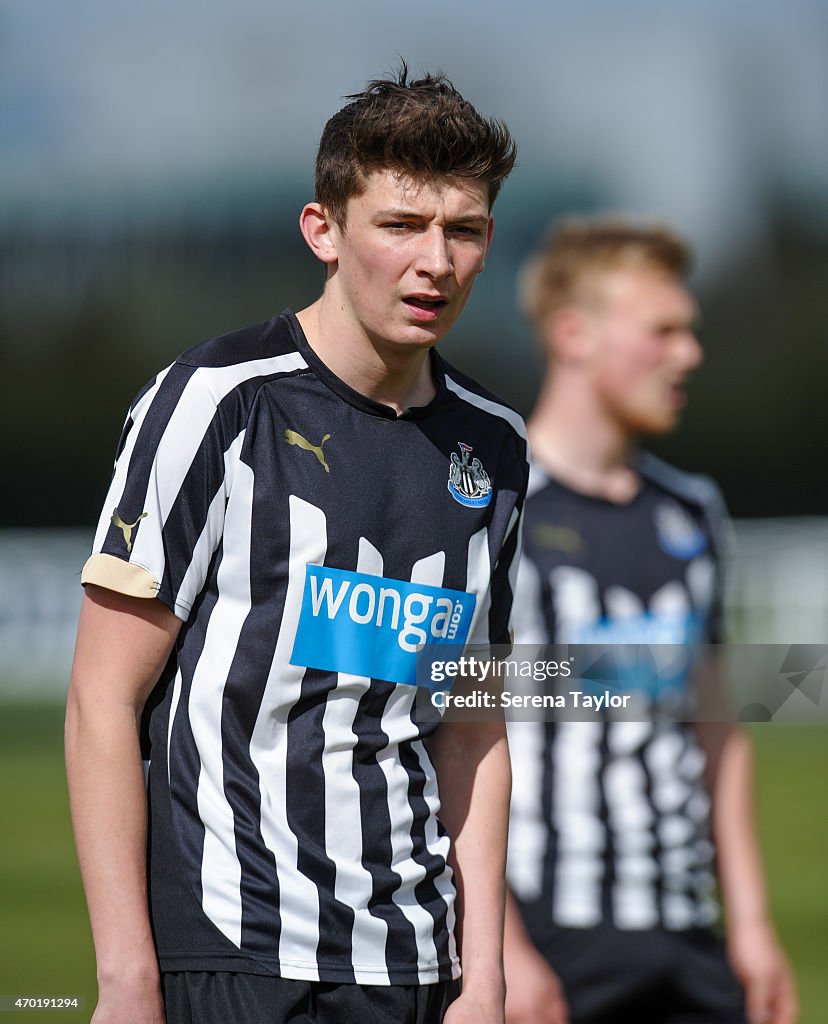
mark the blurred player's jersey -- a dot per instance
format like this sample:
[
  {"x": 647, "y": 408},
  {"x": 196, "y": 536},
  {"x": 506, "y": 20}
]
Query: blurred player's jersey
[
  {"x": 312, "y": 541},
  {"x": 609, "y": 820}
]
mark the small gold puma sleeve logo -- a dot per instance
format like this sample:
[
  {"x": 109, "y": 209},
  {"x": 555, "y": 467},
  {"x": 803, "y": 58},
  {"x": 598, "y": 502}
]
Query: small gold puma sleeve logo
[
  {"x": 126, "y": 528},
  {"x": 292, "y": 437}
]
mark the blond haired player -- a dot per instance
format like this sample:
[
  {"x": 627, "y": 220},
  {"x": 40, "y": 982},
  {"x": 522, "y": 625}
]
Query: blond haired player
[{"x": 620, "y": 829}]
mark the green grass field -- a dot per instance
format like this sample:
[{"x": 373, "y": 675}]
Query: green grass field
[{"x": 45, "y": 945}]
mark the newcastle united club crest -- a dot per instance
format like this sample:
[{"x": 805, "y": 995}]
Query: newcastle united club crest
[{"x": 468, "y": 481}]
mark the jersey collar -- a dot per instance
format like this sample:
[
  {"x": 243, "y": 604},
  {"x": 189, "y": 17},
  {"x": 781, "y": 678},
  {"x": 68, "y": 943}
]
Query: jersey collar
[{"x": 352, "y": 397}]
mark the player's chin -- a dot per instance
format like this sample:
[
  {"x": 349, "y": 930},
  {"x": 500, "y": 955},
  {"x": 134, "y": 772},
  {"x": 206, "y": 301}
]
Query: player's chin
[
  {"x": 652, "y": 421},
  {"x": 425, "y": 334}
]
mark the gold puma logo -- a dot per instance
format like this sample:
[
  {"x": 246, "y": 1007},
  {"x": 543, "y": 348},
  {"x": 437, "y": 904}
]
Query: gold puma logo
[
  {"x": 126, "y": 528},
  {"x": 293, "y": 438},
  {"x": 560, "y": 538}
]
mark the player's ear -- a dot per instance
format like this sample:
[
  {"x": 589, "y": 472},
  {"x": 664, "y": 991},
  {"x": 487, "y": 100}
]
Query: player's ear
[
  {"x": 320, "y": 232},
  {"x": 567, "y": 335}
]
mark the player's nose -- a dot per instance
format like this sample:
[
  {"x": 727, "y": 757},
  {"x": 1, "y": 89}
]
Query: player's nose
[
  {"x": 434, "y": 254},
  {"x": 692, "y": 353}
]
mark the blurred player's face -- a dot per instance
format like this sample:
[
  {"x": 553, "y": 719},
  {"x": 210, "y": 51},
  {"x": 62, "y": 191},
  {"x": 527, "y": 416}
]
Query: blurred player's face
[
  {"x": 643, "y": 348},
  {"x": 409, "y": 255}
]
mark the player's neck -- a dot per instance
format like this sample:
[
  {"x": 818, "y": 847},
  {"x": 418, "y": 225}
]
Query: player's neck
[
  {"x": 399, "y": 379},
  {"x": 581, "y": 445}
]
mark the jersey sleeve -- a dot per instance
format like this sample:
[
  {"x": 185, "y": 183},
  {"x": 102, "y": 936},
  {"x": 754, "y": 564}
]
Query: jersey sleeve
[
  {"x": 163, "y": 516},
  {"x": 504, "y": 575},
  {"x": 529, "y": 614},
  {"x": 503, "y": 584},
  {"x": 720, "y": 530},
  {"x": 701, "y": 492}
]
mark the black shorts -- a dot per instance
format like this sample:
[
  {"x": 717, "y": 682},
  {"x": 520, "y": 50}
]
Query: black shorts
[
  {"x": 647, "y": 977},
  {"x": 225, "y": 997}
]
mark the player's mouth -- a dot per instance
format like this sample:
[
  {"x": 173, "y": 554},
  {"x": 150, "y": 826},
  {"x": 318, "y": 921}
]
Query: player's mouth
[
  {"x": 678, "y": 395},
  {"x": 425, "y": 307}
]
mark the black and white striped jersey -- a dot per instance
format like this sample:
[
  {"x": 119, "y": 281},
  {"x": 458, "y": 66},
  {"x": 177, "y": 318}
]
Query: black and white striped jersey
[
  {"x": 313, "y": 542},
  {"x": 609, "y": 819}
]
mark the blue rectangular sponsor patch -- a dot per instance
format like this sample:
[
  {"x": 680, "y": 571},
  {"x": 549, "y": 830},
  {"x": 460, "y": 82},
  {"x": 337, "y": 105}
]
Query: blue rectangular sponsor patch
[{"x": 375, "y": 626}]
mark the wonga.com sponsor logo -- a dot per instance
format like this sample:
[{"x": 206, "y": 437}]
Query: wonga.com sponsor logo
[{"x": 375, "y": 626}]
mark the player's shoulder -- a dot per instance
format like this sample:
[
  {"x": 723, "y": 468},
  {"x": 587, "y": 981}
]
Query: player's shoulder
[
  {"x": 466, "y": 389},
  {"x": 696, "y": 490},
  {"x": 693, "y": 488},
  {"x": 256, "y": 343},
  {"x": 224, "y": 371}
]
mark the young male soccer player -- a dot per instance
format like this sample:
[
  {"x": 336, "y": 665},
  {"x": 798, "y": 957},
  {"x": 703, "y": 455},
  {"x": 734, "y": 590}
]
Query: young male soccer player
[
  {"x": 282, "y": 535},
  {"x": 610, "y": 858}
]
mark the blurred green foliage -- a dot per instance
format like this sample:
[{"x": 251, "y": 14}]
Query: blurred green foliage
[{"x": 89, "y": 313}]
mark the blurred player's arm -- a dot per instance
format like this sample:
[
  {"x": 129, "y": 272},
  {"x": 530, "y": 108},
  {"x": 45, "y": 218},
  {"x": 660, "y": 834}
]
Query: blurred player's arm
[
  {"x": 123, "y": 644},
  {"x": 753, "y": 948},
  {"x": 533, "y": 991},
  {"x": 474, "y": 774}
]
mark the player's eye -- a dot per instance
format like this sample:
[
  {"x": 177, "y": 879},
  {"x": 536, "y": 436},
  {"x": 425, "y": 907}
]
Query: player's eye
[{"x": 466, "y": 230}]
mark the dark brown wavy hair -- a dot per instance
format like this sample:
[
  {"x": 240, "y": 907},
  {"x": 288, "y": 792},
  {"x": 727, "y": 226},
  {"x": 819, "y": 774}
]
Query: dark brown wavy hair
[{"x": 422, "y": 129}]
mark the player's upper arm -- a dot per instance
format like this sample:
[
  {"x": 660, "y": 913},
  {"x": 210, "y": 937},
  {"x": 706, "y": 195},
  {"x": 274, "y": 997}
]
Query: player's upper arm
[{"x": 123, "y": 644}]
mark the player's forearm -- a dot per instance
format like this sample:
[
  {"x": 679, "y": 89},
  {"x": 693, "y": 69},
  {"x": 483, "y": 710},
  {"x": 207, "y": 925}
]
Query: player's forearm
[
  {"x": 515, "y": 937},
  {"x": 108, "y": 802},
  {"x": 533, "y": 990},
  {"x": 472, "y": 762},
  {"x": 123, "y": 644},
  {"x": 734, "y": 828}
]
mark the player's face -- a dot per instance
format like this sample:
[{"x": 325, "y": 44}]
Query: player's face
[
  {"x": 409, "y": 255},
  {"x": 644, "y": 349}
]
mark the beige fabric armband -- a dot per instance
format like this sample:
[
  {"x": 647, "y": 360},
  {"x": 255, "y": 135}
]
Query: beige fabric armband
[{"x": 116, "y": 574}]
